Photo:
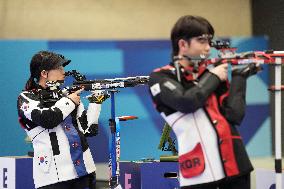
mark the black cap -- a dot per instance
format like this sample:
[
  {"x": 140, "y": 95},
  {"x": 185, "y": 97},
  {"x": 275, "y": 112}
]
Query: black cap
[{"x": 46, "y": 60}]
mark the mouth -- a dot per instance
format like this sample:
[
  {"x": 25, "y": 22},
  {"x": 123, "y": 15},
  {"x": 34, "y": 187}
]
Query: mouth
[{"x": 204, "y": 56}]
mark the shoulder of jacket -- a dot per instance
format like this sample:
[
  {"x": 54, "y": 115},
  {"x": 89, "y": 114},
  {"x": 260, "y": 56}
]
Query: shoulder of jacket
[
  {"x": 31, "y": 94},
  {"x": 167, "y": 68},
  {"x": 164, "y": 71}
]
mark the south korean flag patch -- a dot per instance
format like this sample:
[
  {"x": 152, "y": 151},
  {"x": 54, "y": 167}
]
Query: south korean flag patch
[
  {"x": 43, "y": 160},
  {"x": 155, "y": 89},
  {"x": 24, "y": 107}
]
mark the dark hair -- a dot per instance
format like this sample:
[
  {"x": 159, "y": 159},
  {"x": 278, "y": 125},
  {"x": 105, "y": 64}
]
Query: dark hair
[
  {"x": 187, "y": 27},
  {"x": 43, "y": 60}
]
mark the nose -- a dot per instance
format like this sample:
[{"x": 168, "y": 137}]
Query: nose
[
  {"x": 63, "y": 74},
  {"x": 207, "y": 48}
]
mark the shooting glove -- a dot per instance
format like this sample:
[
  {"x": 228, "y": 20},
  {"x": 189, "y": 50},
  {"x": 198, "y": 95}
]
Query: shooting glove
[
  {"x": 98, "y": 97},
  {"x": 93, "y": 130},
  {"x": 246, "y": 70}
]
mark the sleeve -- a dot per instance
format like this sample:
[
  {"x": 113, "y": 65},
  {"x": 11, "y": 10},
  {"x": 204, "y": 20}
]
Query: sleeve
[
  {"x": 233, "y": 106},
  {"x": 88, "y": 119},
  {"x": 47, "y": 117},
  {"x": 171, "y": 93}
]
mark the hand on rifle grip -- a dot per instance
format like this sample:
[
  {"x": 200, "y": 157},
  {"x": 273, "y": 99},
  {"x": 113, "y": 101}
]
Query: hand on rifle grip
[
  {"x": 246, "y": 70},
  {"x": 75, "y": 96},
  {"x": 98, "y": 96},
  {"x": 221, "y": 71}
]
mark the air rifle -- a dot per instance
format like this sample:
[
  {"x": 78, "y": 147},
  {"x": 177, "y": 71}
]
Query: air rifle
[
  {"x": 53, "y": 92},
  {"x": 105, "y": 84},
  {"x": 227, "y": 54}
]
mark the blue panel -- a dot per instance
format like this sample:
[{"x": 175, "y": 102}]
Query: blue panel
[
  {"x": 249, "y": 43},
  {"x": 252, "y": 44},
  {"x": 256, "y": 84},
  {"x": 261, "y": 143},
  {"x": 24, "y": 173},
  {"x": 95, "y": 62},
  {"x": 137, "y": 63},
  {"x": 148, "y": 175},
  {"x": 79, "y": 45},
  {"x": 254, "y": 118},
  {"x": 144, "y": 45},
  {"x": 14, "y": 72},
  {"x": 155, "y": 179},
  {"x": 130, "y": 175}
]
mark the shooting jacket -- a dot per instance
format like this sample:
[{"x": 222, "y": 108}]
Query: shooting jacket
[
  {"x": 203, "y": 114},
  {"x": 57, "y": 131}
]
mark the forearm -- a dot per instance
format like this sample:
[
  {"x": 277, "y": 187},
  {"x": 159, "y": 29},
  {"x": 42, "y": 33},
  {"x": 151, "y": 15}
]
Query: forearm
[
  {"x": 189, "y": 100},
  {"x": 234, "y": 105},
  {"x": 88, "y": 119}
]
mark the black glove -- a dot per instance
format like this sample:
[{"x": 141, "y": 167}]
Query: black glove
[
  {"x": 246, "y": 70},
  {"x": 92, "y": 131}
]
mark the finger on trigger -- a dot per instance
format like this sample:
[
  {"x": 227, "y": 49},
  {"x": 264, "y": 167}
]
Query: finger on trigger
[{"x": 79, "y": 91}]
